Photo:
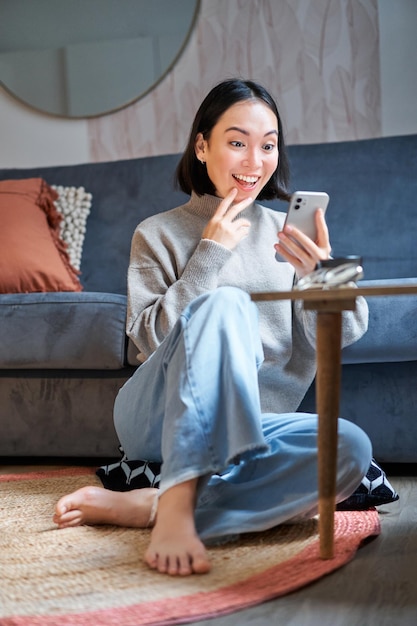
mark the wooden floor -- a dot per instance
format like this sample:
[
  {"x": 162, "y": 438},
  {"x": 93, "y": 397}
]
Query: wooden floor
[{"x": 377, "y": 588}]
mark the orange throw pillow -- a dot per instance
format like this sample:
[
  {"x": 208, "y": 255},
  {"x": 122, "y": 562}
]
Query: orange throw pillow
[{"x": 33, "y": 257}]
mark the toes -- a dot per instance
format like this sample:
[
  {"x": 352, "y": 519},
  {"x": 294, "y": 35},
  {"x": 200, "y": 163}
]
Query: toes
[
  {"x": 72, "y": 518},
  {"x": 184, "y": 566},
  {"x": 62, "y": 507},
  {"x": 72, "y": 501},
  {"x": 178, "y": 565},
  {"x": 68, "y": 511},
  {"x": 174, "y": 565},
  {"x": 151, "y": 558},
  {"x": 201, "y": 565}
]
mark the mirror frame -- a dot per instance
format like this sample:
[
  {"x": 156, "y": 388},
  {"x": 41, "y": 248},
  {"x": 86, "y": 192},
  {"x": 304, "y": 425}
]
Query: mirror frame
[{"x": 126, "y": 104}]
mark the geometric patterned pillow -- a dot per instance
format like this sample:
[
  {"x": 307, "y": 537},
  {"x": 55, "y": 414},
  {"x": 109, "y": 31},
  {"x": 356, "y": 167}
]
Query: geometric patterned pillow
[
  {"x": 74, "y": 204},
  {"x": 374, "y": 490},
  {"x": 127, "y": 475}
]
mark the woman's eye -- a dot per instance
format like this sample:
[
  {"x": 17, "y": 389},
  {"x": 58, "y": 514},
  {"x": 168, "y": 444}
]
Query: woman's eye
[
  {"x": 237, "y": 144},
  {"x": 269, "y": 146}
]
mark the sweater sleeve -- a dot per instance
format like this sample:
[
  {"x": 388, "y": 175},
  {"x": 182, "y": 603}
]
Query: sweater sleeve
[
  {"x": 354, "y": 323},
  {"x": 159, "y": 288}
]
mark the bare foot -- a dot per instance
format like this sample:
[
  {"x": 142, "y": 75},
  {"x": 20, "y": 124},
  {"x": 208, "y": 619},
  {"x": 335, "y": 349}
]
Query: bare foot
[
  {"x": 95, "y": 505},
  {"x": 175, "y": 547}
]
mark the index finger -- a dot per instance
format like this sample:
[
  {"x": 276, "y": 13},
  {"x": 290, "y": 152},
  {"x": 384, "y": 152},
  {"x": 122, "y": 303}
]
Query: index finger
[
  {"x": 297, "y": 236},
  {"x": 231, "y": 210},
  {"x": 322, "y": 228},
  {"x": 226, "y": 203}
]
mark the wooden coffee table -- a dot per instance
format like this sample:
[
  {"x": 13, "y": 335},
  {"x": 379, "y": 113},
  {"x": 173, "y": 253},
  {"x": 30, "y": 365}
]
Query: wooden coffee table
[{"x": 329, "y": 304}]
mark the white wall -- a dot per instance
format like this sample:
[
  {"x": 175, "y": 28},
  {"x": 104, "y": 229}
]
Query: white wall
[
  {"x": 398, "y": 54},
  {"x": 29, "y": 138}
]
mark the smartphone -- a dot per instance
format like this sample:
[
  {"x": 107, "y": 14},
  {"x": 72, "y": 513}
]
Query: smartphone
[{"x": 302, "y": 208}]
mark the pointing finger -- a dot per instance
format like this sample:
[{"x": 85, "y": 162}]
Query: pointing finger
[
  {"x": 226, "y": 203},
  {"x": 226, "y": 206},
  {"x": 237, "y": 208}
]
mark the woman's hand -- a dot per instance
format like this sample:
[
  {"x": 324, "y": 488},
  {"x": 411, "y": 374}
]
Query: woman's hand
[
  {"x": 300, "y": 250},
  {"x": 223, "y": 227}
]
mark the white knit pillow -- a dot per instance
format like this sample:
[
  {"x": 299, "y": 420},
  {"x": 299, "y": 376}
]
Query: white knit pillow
[{"x": 74, "y": 204}]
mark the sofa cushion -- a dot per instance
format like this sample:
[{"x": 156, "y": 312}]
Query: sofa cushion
[
  {"x": 124, "y": 193},
  {"x": 62, "y": 331},
  {"x": 392, "y": 330},
  {"x": 33, "y": 257},
  {"x": 74, "y": 204}
]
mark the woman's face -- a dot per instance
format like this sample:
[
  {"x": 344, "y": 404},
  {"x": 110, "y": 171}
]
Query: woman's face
[{"x": 242, "y": 151}]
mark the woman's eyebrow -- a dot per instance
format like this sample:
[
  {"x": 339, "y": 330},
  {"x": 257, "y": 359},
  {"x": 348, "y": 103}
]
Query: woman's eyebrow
[{"x": 245, "y": 132}]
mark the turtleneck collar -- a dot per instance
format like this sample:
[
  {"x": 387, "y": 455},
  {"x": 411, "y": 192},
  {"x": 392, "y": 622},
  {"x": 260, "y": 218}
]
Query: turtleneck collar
[{"x": 205, "y": 206}]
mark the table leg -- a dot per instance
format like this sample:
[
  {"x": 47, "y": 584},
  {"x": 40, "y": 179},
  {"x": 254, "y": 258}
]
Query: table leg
[{"x": 329, "y": 324}]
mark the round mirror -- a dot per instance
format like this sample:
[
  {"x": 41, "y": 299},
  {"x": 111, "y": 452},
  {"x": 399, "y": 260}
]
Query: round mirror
[{"x": 84, "y": 58}]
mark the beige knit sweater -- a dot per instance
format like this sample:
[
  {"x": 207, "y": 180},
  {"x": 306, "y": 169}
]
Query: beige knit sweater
[{"x": 171, "y": 264}]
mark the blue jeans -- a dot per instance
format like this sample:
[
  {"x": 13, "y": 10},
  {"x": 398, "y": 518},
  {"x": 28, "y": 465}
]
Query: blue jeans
[{"x": 194, "y": 406}]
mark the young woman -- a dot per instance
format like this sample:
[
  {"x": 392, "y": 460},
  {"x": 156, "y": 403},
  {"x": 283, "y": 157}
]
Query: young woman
[{"x": 215, "y": 397}]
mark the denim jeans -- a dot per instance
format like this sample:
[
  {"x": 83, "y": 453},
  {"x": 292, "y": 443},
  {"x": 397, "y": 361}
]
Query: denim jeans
[{"x": 194, "y": 406}]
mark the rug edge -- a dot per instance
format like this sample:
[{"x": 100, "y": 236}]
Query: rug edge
[{"x": 45, "y": 474}]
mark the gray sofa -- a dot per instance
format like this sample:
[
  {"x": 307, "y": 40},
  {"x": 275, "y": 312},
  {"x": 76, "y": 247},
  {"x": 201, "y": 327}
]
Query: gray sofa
[{"x": 63, "y": 356}]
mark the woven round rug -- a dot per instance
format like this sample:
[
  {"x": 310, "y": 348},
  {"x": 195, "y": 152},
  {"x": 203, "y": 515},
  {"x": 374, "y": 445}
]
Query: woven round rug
[{"x": 96, "y": 574}]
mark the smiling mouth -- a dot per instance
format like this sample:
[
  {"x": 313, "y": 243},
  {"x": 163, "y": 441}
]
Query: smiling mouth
[{"x": 246, "y": 181}]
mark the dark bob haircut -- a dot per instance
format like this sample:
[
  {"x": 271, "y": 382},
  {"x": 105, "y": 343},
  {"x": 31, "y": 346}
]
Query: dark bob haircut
[{"x": 191, "y": 175}]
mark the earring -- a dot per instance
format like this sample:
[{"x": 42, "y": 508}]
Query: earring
[{"x": 202, "y": 161}]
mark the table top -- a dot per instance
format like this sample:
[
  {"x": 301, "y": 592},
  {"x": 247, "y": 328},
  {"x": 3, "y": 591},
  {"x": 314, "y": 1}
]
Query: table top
[{"x": 337, "y": 293}]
